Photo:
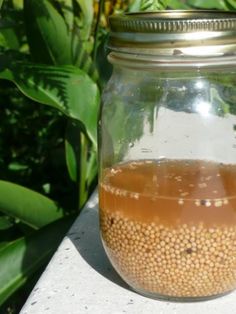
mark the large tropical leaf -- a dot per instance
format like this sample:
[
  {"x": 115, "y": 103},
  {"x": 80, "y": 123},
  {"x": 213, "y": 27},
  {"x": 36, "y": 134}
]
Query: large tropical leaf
[
  {"x": 20, "y": 259},
  {"x": 47, "y": 32},
  {"x": 68, "y": 89},
  {"x": 30, "y": 207}
]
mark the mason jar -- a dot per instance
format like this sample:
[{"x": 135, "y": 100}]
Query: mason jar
[{"x": 167, "y": 153}]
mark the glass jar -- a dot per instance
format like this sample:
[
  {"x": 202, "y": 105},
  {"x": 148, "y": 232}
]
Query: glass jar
[{"x": 167, "y": 151}]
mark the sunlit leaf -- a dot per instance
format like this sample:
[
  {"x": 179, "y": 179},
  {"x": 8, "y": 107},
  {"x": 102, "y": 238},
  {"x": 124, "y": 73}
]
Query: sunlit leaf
[{"x": 30, "y": 207}]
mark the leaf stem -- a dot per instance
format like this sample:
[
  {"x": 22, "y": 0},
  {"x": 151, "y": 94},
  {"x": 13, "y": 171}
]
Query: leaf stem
[
  {"x": 91, "y": 168},
  {"x": 83, "y": 189},
  {"x": 100, "y": 9}
]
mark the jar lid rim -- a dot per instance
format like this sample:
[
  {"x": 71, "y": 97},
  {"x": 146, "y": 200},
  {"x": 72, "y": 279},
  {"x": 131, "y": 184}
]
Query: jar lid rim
[
  {"x": 174, "y": 20},
  {"x": 174, "y": 29}
]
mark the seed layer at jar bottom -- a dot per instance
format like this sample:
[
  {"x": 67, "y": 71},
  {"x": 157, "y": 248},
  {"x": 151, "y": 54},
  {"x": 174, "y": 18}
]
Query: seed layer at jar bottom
[{"x": 180, "y": 247}]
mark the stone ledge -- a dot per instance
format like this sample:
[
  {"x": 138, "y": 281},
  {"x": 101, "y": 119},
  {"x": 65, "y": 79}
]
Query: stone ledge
[{"x": 80, "y": 280}]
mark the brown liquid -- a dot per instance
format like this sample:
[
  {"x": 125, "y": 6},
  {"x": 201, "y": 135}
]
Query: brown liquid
[
  {"x": 171, "y": 191},
  {"x": 169, "y": 227}
]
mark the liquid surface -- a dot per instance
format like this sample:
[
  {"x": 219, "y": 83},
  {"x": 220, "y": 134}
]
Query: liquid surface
[{"x": 171, "y": 190}]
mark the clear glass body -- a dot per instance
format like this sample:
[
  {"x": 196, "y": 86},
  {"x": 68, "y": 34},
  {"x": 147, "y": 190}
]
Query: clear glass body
[{"x": 167, "y": 179}]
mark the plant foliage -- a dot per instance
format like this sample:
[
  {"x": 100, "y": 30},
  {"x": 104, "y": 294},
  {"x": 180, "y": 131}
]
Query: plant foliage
[
  {"x": 52, "y": 65},
  {"x": 153, "y": 5}
]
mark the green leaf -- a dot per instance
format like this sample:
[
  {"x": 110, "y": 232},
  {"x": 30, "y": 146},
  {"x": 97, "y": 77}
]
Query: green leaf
[
  {"x": 231, "y": 4},
  {"x": 208, "y": 4},
  {"x": 81, "y": 58},
  {"x": 177, "y": 5},
  {"x": 81, "y": 160},
  {"x": 15, "y": 166},
  {"x": 81, "y": 44},
  {"x": 221, "y": 106},
  {"x": 68, "y": 12},
  {"x": 3, "y": 42},
  {"x": 5, "y": 223},
  {"x": 83, "y": 188},
  {"x": 92, "y": 168},
  {"x": 68, "y": 89},
  {"x": 1, "y": 2},
  {"x": 72, "y": 148},
  {"x": 134, "y": 5},
  {"x": 153, "y": 5},
  {"x": 30, "y": 207},
  {"x": 18, "y": 4},
  {"x": 87, "y": 10},
  {"x": 10, "y": 38},
  {"x": 8, "y": 33},
  {"x": 47, "y": 33},
  {"x": 3, "y": 245},
  {"x": 20, "y": 259}
]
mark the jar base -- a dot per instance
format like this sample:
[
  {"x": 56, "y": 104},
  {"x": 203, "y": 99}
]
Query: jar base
[{"x": 160, "y": 297}]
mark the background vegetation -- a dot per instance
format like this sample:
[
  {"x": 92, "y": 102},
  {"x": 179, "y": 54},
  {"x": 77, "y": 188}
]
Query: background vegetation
[{"x": 53, "y": 66}]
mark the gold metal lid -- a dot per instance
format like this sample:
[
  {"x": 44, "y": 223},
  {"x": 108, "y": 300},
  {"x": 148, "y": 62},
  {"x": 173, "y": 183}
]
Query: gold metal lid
[{"x": 192, "y": 33}]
